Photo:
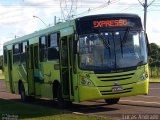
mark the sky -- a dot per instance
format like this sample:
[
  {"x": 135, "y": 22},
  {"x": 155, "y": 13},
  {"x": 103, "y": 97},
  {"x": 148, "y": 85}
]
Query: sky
[{"x": 16, "y": 16}]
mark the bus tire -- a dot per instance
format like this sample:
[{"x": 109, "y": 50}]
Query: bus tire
[
  {"x": 22, "y": 93},
  {"x": 112, "y": 101},
  {"x": 57, "y": 91}
]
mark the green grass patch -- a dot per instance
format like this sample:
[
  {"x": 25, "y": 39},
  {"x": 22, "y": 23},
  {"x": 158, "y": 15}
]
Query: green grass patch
[
  {"x": 23, "y": 111},
  {"x": 1, "y": 75},
  {"x": 154, "y": 80},
  {"x": 154, "y": 72},
  {"x": 67, "y": 117}
]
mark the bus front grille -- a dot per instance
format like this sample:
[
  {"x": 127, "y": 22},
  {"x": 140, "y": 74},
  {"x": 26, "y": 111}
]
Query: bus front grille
[
  {"x": 115, "y": 77},
  {"x": 110, "y": 80},
  {"x": 109, "y": 92}
]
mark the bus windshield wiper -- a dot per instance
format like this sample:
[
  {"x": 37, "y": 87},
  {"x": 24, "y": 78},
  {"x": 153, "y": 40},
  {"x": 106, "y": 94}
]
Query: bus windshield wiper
[
  {"x": 106, "y": 44},
  {"x": 126, "y": 34}
]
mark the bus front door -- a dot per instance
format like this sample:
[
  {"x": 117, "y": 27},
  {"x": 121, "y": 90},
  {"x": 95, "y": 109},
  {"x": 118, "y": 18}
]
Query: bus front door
[
  {"x": 30, "y": 75},
  {"x": 66, "y": 67},
  {"x": 33, "y": 84}
]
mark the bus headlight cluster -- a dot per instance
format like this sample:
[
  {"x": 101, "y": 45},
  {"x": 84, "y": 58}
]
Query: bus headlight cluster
[
  {"x": 85, "y": 81},
  {"x": 144, "y": 76}
]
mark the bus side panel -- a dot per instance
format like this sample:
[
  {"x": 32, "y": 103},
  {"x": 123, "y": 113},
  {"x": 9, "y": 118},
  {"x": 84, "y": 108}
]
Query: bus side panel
[
  {"x": 19, "y": 73},
  {"x": 50, "y": 71},
  {"x": 15, "y": 77}
]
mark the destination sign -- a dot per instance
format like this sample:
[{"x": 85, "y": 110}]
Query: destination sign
[
  {"x": 110, "y": 23},
  {"x": 102, "y": 23}
]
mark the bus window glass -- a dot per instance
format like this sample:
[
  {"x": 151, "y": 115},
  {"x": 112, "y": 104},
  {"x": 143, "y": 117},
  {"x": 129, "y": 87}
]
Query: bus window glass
[
  {"x": 95, "y": 52},
  {"x": 53, "y": 51},
  {"x": 43, "y": 48},
  {"x": 23, "y": 54},
  {"x": 36, "y": 57},
  {"x": 16, "y": 53},
  {"x": 112, "y": 50},
  {"x": 53, "y": 40},
  {"x": 5, "y": 55},
  {"x": 43, "y": 41},
  {"x": 143, "y": 45},
  {"x": 16, "y": 49},
  {"x": 24, "y": 47}
]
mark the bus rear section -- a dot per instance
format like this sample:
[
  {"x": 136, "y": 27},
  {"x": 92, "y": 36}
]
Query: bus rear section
[{"x": 112, "y": 57}]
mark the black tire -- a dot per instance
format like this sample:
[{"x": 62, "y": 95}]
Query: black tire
[
  {"x": 22, "y": 93},
  {"x": 57, "y": 95},
  {"x": 57, "y": 92},
  {"x": 112, "y": 101}
]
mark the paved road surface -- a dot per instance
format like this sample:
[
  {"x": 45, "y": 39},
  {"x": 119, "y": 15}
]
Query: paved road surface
[{"x": 136, "y": 107}]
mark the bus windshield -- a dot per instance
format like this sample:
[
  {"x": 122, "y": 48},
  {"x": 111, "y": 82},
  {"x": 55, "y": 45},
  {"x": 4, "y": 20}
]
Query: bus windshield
[{"x": 112, "y": 50}]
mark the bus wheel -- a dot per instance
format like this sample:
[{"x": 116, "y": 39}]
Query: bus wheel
[
  {"x": 22, "y": 93},
  {"x": 112, "y": 101},
  {"x": 57, "y": 91}
]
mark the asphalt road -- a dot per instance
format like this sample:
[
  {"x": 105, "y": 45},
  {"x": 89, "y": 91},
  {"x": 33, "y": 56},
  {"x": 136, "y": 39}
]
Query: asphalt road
[{"x": 136, "y": 107}]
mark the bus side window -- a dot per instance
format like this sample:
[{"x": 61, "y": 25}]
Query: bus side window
[
  {"x": 23, "y": 52},
  {"x": 5, "y": 55},
  {"x": 36, "y": 57},
  {"x": 53, "y": 50},
  {"x": 43, "y": 48},
  {"x": 16, "y": 53}
]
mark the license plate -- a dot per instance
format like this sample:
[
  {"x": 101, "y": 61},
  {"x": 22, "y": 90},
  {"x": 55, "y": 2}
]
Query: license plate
[{"x": 117, "y": 88}]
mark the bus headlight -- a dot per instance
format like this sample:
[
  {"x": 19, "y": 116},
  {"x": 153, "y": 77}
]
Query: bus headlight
[
  {"x": 144, "y": 76},
  {"x": 85, "y": 81}
]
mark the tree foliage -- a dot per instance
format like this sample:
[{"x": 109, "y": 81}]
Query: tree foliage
[{"x": 154, "y": 54}]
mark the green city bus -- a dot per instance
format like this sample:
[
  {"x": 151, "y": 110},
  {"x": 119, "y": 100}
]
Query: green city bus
[{"x": 87, "y": 58}]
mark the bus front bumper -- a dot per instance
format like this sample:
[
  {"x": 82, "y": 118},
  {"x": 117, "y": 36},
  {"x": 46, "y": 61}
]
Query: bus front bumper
[{"x": 95, "y": 93}]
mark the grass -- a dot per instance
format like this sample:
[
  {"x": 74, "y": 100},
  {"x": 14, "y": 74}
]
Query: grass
[
  {"x": 67, "y": 117},
  {"x": 154, "y": 74},
  {"x": 13, "y": 109},
  {"x": 154, "y": 80},
  {"x": 1, "y": 75}
]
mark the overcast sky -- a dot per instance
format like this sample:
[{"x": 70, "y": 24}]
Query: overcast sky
[{"x": 16, "y": 16}]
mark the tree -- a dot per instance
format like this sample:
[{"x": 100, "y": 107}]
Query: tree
[
  {"x": 154, "y": 55},
  {"x": 154, "y": 59}
]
